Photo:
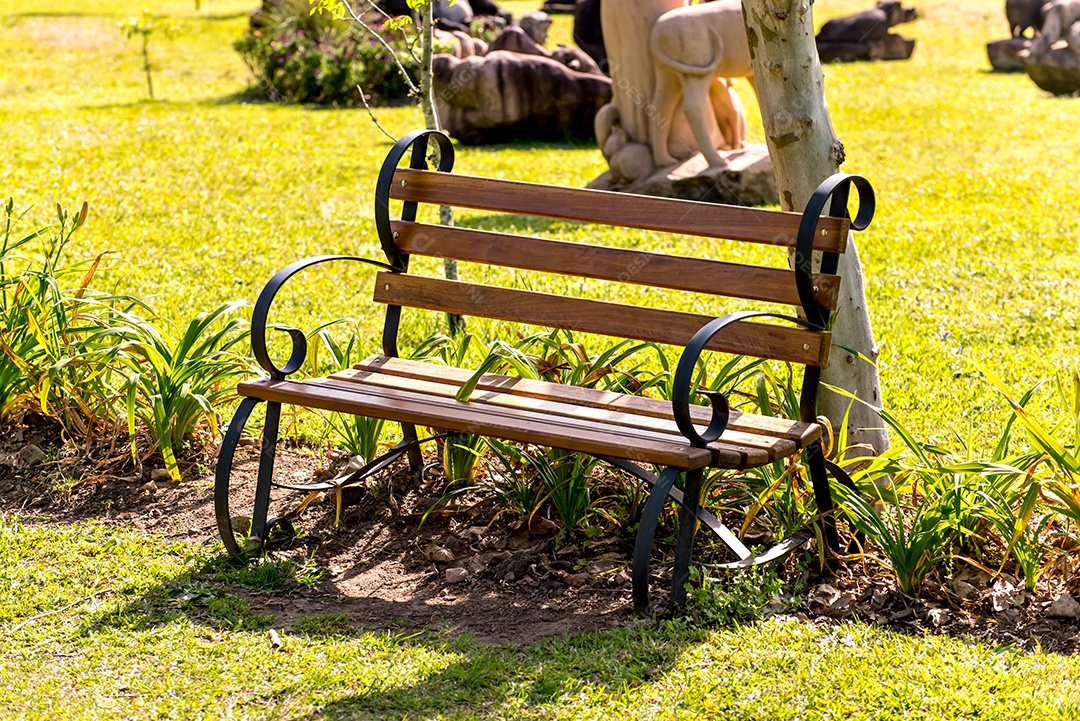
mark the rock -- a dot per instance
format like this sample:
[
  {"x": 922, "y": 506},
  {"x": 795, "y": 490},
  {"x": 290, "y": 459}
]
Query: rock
[
  {"x": 891, "y": 47},
  {"x": 1004, "y": 595},
  {"x": 1064, "y": 606},
  {"x": 747, "y": 180},
  {"x": 150, "y": 487},
  {"x": 938, "y": 616},
  {"x": 439, "y": 554},
  {"x": 964, "y": 590},
  {"x": 504, "y": 96},
  {"x": 1003, "y": 54},
  {"x": 1055, "y": 71},
  {"x": 247, "y": 441},
  {"x": 457, "y": 575},
  {"x": 1024, "y": 15},
  {"x": 30, "y": 454},
  {"x": 536, "y": 24},
  {"x": 159, "y": 474},
  {"x": 575, "y": 59},
  {"x": 7, "y": 487}
]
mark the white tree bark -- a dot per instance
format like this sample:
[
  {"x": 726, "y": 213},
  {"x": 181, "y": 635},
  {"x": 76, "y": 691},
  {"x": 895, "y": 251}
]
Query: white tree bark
[{"x": 805, "y": 151}]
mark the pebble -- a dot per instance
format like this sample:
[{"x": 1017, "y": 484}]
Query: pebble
[
  {"x": 31, "y": 454},
  {"x": 159, "y": 474},
  {"x": 150, "y": 487},
  {"x": 457, "y": 575},
  {"x": 1064, "y": 606}
]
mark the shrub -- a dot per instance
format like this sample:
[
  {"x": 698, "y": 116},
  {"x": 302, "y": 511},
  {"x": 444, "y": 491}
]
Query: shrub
[{"x": 298, "y": 57}]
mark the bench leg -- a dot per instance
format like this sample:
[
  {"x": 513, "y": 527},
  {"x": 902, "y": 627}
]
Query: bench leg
[
  {"x": 815, "y": 460},
  {"x": 650, "y": 517},
  {"x": 416, "y": 458},
  {"x": 266, "y": 472},
  {"x": 684, "y": 550},
  {"x": 224, "y": 471}
]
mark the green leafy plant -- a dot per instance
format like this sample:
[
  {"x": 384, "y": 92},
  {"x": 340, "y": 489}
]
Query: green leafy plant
[
  {"x": 301, "y": 56},
  {"x": 173, "y": 384},
  {"x": 48, "y": 315}
]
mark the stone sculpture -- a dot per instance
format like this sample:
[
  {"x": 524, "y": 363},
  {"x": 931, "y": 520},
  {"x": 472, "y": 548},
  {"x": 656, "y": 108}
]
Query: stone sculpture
[
  {"x": 1052, "y": 56},
  {"x": 519, "y": 90},
  {"x": 678, "y": 99},
  {"x": 696, "y": 50},
  {"x": 1059, "y": 16},
  {"x": 588, "y": 32},
  {"x": 1024, "y": 15},
  {"x": 536, "y": 25},
  {"x": 866, "y": 36}
]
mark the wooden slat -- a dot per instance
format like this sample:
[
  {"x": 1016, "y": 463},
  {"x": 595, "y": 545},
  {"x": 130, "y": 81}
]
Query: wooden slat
[
  {"x": 686, "y": 217},
  {"x": 735, "y": 280},
  {"x": 802, "y": 434},
  {"x": 467, "y": 418},
  {"x": 749, "y": 447},
  {"x": 511, "y": 410},
  {"x": 762, "y": 340}
]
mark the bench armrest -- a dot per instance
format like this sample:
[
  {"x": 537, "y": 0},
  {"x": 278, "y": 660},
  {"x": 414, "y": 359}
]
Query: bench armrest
[
  {"x": 262, "y": 310},
  {"x": 684, "y": 375}
]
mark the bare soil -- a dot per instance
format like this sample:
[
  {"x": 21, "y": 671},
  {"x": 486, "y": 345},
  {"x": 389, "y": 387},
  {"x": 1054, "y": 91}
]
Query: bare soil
[{"x": 474, "y": 569}]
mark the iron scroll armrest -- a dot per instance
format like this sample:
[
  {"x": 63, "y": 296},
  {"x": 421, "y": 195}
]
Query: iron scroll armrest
[
  {"x": 837, "y": 187},
  {"x": 684, "y": 375},
  {"x": 262, "y": 310}
]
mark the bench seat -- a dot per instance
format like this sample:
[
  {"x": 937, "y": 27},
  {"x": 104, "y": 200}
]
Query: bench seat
[{"x": 573, "y": 418}]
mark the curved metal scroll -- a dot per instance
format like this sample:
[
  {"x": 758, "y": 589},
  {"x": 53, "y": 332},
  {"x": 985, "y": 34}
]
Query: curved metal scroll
[
  {"x": 386, "y": 178},
  {"x": 650, "y": 517},
  {"x": 684, "y": 376},
  {"x": 224, "y": 470},
  {"x": 838, "y": 187},
  {"x": 262, "y": 311}
]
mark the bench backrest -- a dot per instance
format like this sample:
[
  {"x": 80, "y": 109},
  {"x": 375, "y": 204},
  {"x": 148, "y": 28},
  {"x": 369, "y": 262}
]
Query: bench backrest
[{"x": 405, "y": 237}]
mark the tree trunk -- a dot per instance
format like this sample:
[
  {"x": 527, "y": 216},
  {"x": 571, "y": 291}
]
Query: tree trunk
[
  {"x": 805, "y": 151},
  {"x": 431, "y": 122}
]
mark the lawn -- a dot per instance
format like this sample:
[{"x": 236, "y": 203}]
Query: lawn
[{"x": 203, "y": 193}]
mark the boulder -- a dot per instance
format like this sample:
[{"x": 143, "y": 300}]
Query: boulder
[
  {"x": 1055, "y": 71},
  {"x": 866, "y": 36},
  {"x": 1003, "y": 54},
  {"x": 504, "y": 96}
]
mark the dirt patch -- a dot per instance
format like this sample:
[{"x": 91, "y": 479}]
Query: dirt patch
[{"x": 477, "y": 570}]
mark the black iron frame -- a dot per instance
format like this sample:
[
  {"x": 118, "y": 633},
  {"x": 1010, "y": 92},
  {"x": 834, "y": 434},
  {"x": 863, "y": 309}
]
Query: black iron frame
[{"x": 662, "y": 485}]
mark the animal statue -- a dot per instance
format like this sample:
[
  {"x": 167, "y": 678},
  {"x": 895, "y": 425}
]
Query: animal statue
[
  {"x": 1060, "y": 16},
  {"x": 1024, "y": 15},
  {"x": 692, "y": 47},
  {"x": 868, "y": 25}
]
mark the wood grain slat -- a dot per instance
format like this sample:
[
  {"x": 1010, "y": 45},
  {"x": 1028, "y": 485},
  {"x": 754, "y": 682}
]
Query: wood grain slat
[
  {"x": 686, "y": 217},
  {"x": 761, "y": 340},
  {"x": 456, "y": 416},
  {"x": 735, "y": 280},
  {"x": 774, "y": 448},
  {"x": 802, "y": 434},
  {"x": 727, "y": 454}
]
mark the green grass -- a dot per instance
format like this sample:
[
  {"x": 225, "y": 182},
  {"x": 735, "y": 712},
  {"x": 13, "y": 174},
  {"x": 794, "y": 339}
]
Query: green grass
[
  {"x": 166, "y": 636},
  {"x": 204, "y": 193}
]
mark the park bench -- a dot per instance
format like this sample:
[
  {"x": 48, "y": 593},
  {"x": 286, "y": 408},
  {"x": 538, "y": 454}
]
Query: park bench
[{"x": 635, "y": 434}]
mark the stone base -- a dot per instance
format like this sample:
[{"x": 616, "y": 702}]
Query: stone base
[
  {"x": 1055, "y": 71},
  {"x": 747, "y": 180},
  {"x": 891, "y": 47},
  {"x": 1002, "y": 54}
]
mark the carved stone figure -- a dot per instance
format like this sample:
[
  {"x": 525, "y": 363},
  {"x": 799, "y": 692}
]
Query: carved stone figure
[
  {"x": 536, "y": 25},
  {"x": 866, "y": 36},
  {"x": 1060, "y": 15},
  {"x": 519, "y": 90},
  {"x": 588, "y": 32},
  {"x": 696, "y": 50},
  {"x": 1024, "y": 15}
]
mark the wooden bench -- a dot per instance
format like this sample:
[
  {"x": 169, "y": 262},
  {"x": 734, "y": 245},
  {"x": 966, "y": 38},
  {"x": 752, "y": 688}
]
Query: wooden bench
[{"x": 630, "y": 432}]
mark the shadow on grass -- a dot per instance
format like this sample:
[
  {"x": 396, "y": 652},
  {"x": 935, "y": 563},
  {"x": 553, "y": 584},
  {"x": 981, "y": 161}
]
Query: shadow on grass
[{"x": 476, "y": 680}]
